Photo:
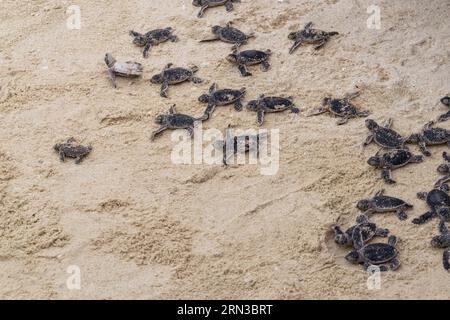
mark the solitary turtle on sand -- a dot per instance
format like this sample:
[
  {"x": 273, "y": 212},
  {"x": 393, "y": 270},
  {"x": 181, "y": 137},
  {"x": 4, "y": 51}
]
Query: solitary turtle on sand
[
  {"x": 381, "y": 203},
  {"x": 271, "y": 104},
  {"x": 205, "y": 4},
  {"x": 221, "y": 97},
  {"x": 391, "y": 160},
  {"x": 230, "y": 35},
  {"x": 171, "y": 75},
  {"x": 438, "y": 202},
  {"x": 384, "y": 136},
  {"x": 373, "y": 254},
  {"x": 248, "y": 58},
  {"x": 309, "y": 35},
  {"x": 443, "y": 241},
  {"x": 128, "y": 69},
  {"x": 72, "y": 149},
  {"x": 175, "y": 120},
  {"x": 369, "y": 230},
  {"x": 152, "y": 38},
  {"x": 430, "y": 136},
  {"x": 342, "y": 108}
]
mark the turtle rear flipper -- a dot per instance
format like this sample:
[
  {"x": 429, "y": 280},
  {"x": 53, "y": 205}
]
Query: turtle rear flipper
[{"x": 446, "y": 259}]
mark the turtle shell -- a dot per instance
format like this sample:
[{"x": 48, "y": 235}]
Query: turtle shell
[
  {"x": 128, "y": 69},
  {"x": 436, "y": 135},
  {"x": 232, "y": 35},
  {"x": 226, "y": 96},
  {"x": 388, "y": 138},
  {"x": 437, "y": 198},
  {"x": 159, "y": 35},
  {"x": 377, "y": 253},
  {"x": 180, "y": 120},
  {"x": 397, "y": 158},
  {"x": 341, "y": 108},
  {"x": 176, "y": 75},
  {"x": 252, "y": 56},
  {"x": 275, "y": 104},
  {"x": 386, "y": 203},
  {"x": 367, "y": 231},
  {"x": 313, "y": 35}
]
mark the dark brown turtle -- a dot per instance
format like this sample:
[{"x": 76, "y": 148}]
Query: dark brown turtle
[
  {"x": 430, "y": 136},
  {"x": 443, "y": 241},
  {"x": 373, "y": 254},
  {"x": 248, "y": 58},
  {"x": 271, "y": 104},
  {"x": 342, "y": 108},
  {"x": 174, "y": 120},
  {"x": 381, "y": 203},
  {"x": 384, "y": 136},
  {"x": 230, "y": 35},
  {"x": 171, "y": 75},
  {"x": 72, "y": 149},
  {"x": 309, "y": 35},
  {"x": 205, "y": 4},
  {"x": 444, "y": 117},
  {"x": 128, "y": 69},
  {"x": 438, "y": 202},
  {"x": 368, "y": 229},
  {"x": 391, "y": 160},
  {"x": 152, "y": 38},
  {"x": 221, "y": 97}
]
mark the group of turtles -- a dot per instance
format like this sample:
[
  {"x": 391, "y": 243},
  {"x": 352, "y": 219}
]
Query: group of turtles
[
  {"x": 395, "y": 155},
  {"x": 395, "y": 152}
]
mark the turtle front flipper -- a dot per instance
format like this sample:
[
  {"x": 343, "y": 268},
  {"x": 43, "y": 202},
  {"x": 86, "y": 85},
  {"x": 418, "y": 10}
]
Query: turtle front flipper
[
  {"x": 317, "y": 111},
  {"x": 401, "y": 214},
  {"x": 147, "y": 48},
  {"x": 446, "y": 259},
  {"x": 423, "y": 148},
  {"x": 442, "y": 180},
  {"x": 363, "y": 114},
  {"x": 369, "y": 140},
  {"x": 209, "y": 110},
  {"x": 395, "y": 264},
  {"x": 321, "y": 44},
  {"x": 424, "y": 217},
  {"x": 260, "y": 117},
  {"x": 238, "y": 105},
  {"x": 243, "y": 70},
  {"x": 202, "y": 10},
  {"x": 342, "y": 121},
  {"x": 112, "y": 76},
  {"x": 297, "y": 44},
  {"x": 210, "y": 39},
  {"x": 265, "y": 66},
  {"x": 444, "y": 117},
  {"x": 157, "y": 131},
  {"x": 386, "y": 175},
  {"x": 164, "y": 89}
]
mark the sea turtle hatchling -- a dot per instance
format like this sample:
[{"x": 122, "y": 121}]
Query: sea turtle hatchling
[
  {"x": 373, "y": 254},
  {"x": 368, "y": 229},
  {"x": 205, "y": 4},
  {"x": 248, "y": 58},
  {"x": 342, "y": 108},
  {"x": 152, "y": 38},
  {"x": 230, "y": 35},
  {"x": 381, "y": 203},
  {"x": 221, "y": 97},
  {"x": 174, "y": 121},
  {"x": 72, "y": 149},
  {"x": 443, "y": 241},
  {"x": 309, "y": 35},
  {"x": 383, "y": 135},
  {"x": 171, "y": 75},
  {"x": 438, "y": 202},
  {"x": 444, "y": 168},
  {"x": 430, "y": 136},
  {"x": 444, "y": 117},
  {"x": 270, "y": 104},
  {"x": 391, "y": 160},
  {"x": 128, "y": 69}
]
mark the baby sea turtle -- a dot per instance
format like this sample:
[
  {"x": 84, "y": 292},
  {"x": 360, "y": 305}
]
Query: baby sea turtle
[
  {"x": 248, "y": 58},
  {"x": 443, "y": 241},
  {"x": 373, "y": 254},
  {"x": 384, "y": 136},
  {"x": 175, "y": 120},
  {"x": 430, "y": 136},
  {"x": 271, "y": 104},
  {"x": 438, "y": 202},
  {"x": 221, "y": 97},
  {"x": 392, "y": 160},
  {"x": 230, "y": 35},
  {"x": 171, "y": 75},
  {"x": 308, "y": 35},
  {"x": 128, "y": 69},
  {"x": 368, "y": 229},
  {"x": 205, "y": 4},
  {"x": 380, "y": 203},
  {"x": 72, "y": 149},
  {"x": 152, "y": 38},
  {"x": 444, "y": 117},
  {"x": 342, "y": 108},
  {"x": 444, "y": 169}
]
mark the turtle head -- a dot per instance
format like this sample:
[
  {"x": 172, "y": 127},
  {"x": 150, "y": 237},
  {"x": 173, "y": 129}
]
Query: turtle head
[
  {"x": 375, "y": 161},
  {"x": 232, "y": 57},
  {"x": 443, "y": 168},
  {"x": 363, "y": 205},
  {"x": 371, "y": 124},
  {"x": 216, "y": 29},
  {"x": 157, "y": 78},
  {"x": 292, "y": 36},
  {"x": 204, "y": 98},
  {"x": 140, "y": 40},
  {"x": 161, "y": 119},
  {"x": 326, "y": 101},
  {"x": 340, "y": 237},
  {"x": 446, "y": 101},
  {"x": 439, "y": 242},
  {"x": 197, "y": 3},
  {"x": 414, "y": 138},
  {"x": 252, "y": 105},
  {"x": 57, "y": 146},
  {"x": 109, "y": 60},
  {"x": 352, "y": 257}
]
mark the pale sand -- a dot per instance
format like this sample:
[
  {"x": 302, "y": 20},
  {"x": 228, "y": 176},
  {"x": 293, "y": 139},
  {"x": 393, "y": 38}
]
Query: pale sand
[{"x": 139, "y": 226}]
